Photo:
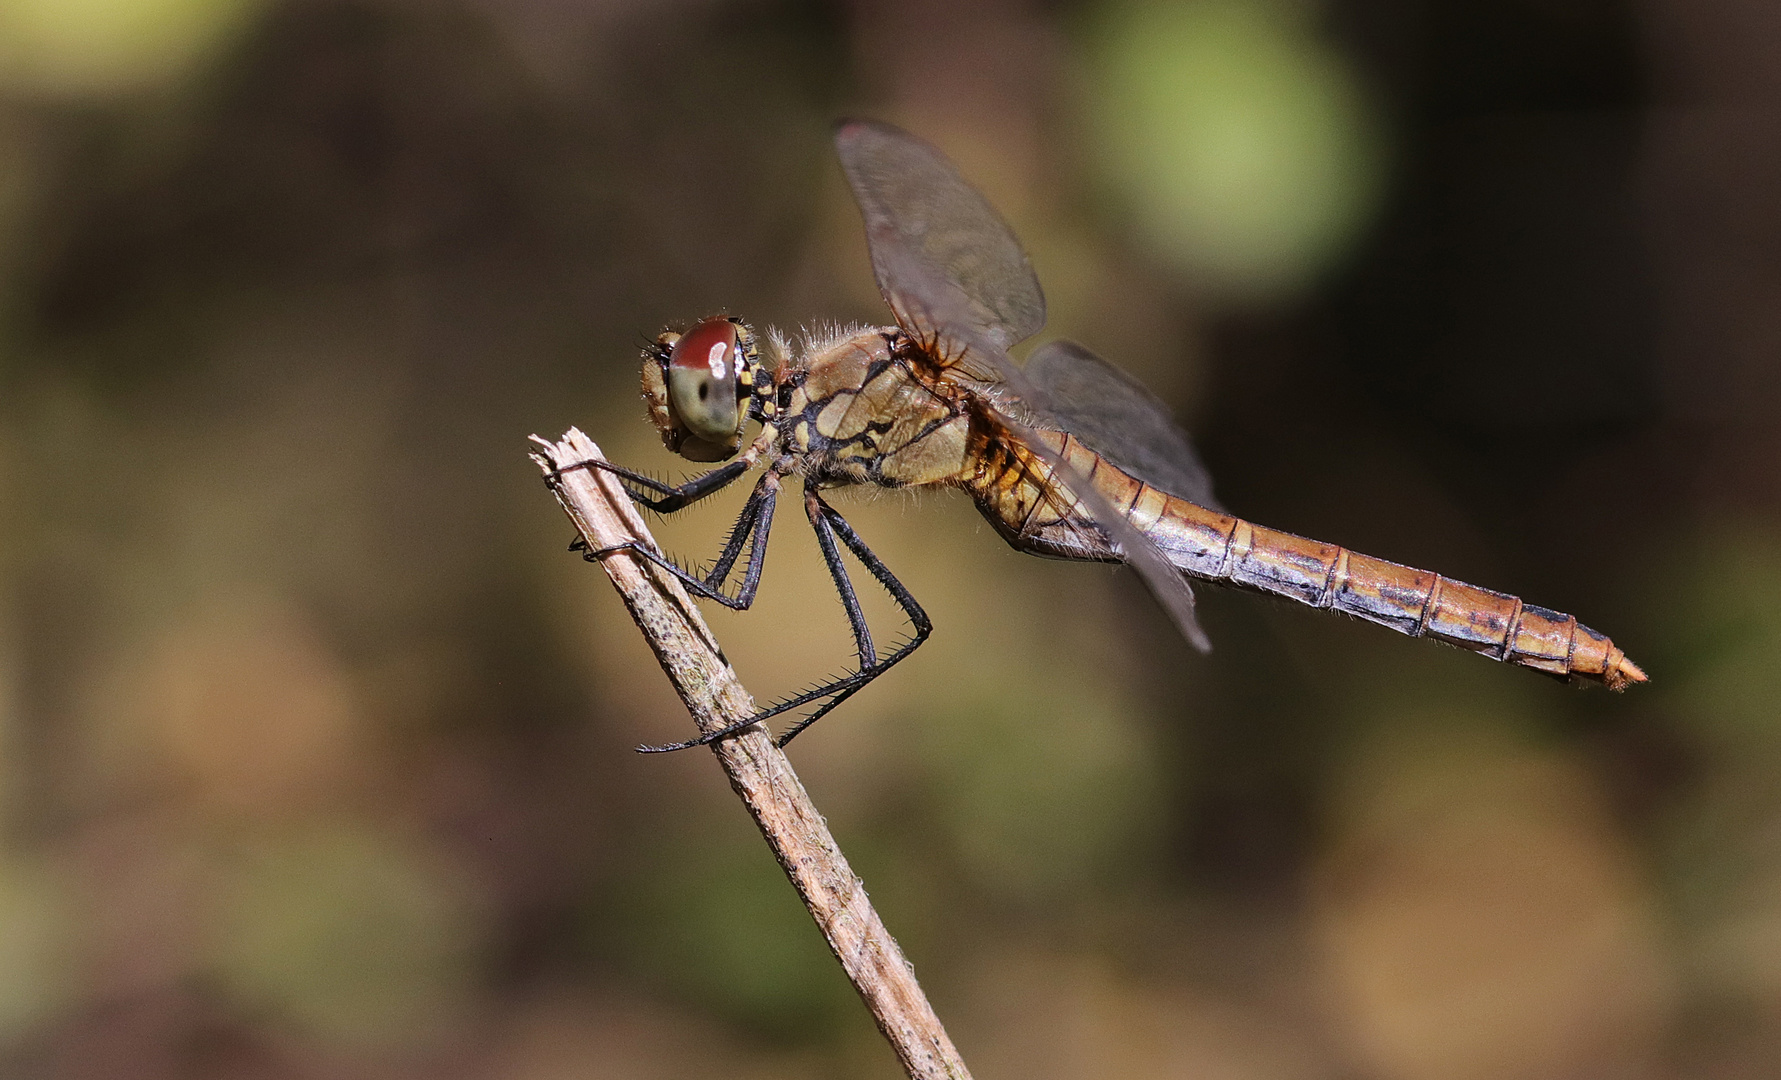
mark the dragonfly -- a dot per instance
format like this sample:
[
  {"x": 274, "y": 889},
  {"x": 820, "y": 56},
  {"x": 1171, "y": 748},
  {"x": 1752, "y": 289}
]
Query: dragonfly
[{"x": 1066, "y": 456}]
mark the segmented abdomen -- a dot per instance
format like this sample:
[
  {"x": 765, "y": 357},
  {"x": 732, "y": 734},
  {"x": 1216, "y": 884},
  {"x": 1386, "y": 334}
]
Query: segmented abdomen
[{"x": 1218, "y": 547}]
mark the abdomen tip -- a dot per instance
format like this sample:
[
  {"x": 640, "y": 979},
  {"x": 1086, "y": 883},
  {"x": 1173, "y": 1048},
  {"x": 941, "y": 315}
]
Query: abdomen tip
[{"x": 1624, "y": 673}]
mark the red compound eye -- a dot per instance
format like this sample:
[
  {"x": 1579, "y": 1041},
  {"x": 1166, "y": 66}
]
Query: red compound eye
[
  {"x": 702, "y": 387},
  {"x": 709, "y": 346}
]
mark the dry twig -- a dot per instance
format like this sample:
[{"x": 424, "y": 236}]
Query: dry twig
[{"x": 758, "y": 771}]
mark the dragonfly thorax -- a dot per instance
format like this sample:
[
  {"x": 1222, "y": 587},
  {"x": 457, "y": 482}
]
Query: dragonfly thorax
[{"x": 698, "y": 385}]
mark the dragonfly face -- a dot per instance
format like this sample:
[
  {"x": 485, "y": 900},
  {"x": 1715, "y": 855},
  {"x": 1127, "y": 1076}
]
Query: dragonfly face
[
  {"x": 698, "y": 385},
  {"x": 1066, "y": 456}
]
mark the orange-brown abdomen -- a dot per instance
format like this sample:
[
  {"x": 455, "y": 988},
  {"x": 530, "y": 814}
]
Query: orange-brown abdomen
[
  {"x": 1419, "y": 603},
  {"x": 1218, "y": 547}
]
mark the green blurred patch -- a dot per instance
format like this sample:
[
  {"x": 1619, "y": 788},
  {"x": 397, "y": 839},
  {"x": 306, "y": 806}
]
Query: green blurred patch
[
  {"x": 1728, "y": 640},
  {"x": 110, "y": 46},
  {"x": 1718, "y": 679},
  {"x": 349, "y": 933},
  {"x": 36, "y": 945},
  {"x": 1043, "y": 798},
  {"x": 712, "y": 918},
  {"x": 1239, "y": 143}
]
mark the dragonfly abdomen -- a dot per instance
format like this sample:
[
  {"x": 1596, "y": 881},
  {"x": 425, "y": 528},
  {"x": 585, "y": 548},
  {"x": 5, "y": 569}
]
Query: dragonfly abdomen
[
  {"x": 1419, "y": 603},
  {"x": 1020, "y": 498}
]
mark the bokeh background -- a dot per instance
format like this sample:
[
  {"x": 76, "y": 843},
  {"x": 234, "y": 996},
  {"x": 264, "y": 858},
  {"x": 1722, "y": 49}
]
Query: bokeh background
[{"x": 314, "y": 739}]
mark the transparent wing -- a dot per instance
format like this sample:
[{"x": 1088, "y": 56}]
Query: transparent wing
[
  {"x": 948, "y": 315},
  {"x": 1115, "y": 416},
  {"x": 917, "y": 206}
]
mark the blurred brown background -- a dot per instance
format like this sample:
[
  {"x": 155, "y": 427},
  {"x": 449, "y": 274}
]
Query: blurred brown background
[{"x": 314, "y": 740}]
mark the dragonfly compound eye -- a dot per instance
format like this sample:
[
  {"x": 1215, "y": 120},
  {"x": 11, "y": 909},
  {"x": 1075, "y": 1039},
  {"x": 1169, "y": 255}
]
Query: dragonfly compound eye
[{"x": 703, "y": 367}]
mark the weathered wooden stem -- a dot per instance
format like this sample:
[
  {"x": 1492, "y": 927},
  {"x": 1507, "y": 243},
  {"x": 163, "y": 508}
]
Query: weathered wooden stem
[{"x": 596, "y": 502}]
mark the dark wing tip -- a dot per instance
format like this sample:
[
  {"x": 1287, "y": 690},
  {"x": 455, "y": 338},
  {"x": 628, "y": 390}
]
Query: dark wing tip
[{"x": 850, "y": 127}]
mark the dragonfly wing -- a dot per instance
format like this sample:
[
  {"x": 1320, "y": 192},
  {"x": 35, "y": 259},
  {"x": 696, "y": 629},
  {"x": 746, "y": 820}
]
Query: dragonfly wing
[
  {"x": 1118, "y": 418},
  {"x": 1164, "y": 580},
  {"x": 920, "y": 212},
  {"x": 1017, "y": 404}
]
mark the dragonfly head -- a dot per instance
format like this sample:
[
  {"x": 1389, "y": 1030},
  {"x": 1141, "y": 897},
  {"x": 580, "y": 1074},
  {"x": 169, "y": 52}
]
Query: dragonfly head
[{"x": 697, "y": 385}]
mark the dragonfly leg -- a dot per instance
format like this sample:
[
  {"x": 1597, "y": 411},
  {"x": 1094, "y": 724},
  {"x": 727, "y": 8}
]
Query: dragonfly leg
[
  {"x": 827, "y": 521},
  {"x": 830, "y": 526},
  {"x": 756, "y": 520},
  {"x": 820, "y": 512},
  {"x": 672, "y": 497}
]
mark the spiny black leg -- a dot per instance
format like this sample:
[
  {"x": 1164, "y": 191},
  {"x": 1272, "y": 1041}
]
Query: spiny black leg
[
  {"x": 829, "y": 525},
  {"x": 674, "y": 497},
  {"x": 756, "y": 519},
  {"x": 814, "y": 508},
  {"x": 846, "y": 687},
  {"x": 763, "y": 498}
]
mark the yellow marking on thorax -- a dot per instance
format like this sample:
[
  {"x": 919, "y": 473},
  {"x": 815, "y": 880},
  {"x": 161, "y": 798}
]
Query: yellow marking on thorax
[
  {"x": 881, "y": 394},
  {"x": 828, "y": 420}
]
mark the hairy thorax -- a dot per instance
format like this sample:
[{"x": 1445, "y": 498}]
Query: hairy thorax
[{"x": 863, "y": 416}]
